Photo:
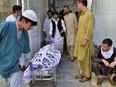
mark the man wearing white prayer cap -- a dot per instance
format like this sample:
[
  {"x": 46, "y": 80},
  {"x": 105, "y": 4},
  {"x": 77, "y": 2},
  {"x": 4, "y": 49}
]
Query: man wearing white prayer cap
[{"x": 14, "y": 41}]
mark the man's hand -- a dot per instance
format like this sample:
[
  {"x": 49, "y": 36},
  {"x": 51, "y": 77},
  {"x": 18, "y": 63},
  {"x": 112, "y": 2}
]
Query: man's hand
[
  {"x": 106, "y": 63},
  {"x": 52, "y": 40},
  {"x": 84, "y": 42},
  {"x": 112, "y": 64}
]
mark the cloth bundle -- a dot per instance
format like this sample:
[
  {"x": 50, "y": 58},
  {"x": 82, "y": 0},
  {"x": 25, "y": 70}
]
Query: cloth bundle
[{"x": 43, "y": 61}]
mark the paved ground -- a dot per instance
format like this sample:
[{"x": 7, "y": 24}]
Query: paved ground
[{"x": 68, "y": 71}]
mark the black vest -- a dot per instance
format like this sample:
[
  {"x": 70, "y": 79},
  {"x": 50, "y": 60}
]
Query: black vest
[{"x": 60, "y": 28}]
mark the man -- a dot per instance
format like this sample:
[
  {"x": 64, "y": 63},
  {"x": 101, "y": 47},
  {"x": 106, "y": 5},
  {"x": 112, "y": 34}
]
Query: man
[
  {"x": 47, "y": 25},
  {"x": 103, "y": 61},
  {"x": 84, "y": 47},
  {"x": 57, "y": 32},
  {"x": 16, "y": 13},
  {"x": 15, "y": 17},
  {"x": 71, "y": 25},
  {"x": 14, "y": 41}
]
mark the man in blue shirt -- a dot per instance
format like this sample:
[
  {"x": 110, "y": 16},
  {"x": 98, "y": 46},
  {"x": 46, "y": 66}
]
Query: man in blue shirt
[{"x": 14, "y": 41}]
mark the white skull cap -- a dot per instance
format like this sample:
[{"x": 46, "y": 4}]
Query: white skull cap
[{"x": 30, "y": 14}]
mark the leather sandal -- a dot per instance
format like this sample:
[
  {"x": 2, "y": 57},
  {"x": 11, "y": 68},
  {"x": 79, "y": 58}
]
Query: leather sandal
[
  {"x": 79, "y": 76},
  {"x": 99, "y": 81},
  {"x": 84, "y": 79},
  {"x": 112, "y": 82}
]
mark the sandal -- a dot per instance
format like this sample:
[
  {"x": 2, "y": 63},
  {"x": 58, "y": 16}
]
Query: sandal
[
  {"x": 84, "y": 79},
  {"x": 112, "y": 82},
  {"x": 79, "y": 76}
]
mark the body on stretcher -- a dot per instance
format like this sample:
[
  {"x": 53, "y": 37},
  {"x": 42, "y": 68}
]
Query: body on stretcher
[
  {"x": 49, "y": 76},
  {"x": 43, "y": 66}
]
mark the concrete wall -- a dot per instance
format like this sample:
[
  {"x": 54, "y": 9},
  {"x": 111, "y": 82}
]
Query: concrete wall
[
  {"x": 36, "y": 34},
  {"x": 40, "y": 7},
  {"x": 104, "y": 11},
  {"x": 6, "y": 8},
  {"x": 60, "y": 4},
  {"x": 105, "y": 16}
]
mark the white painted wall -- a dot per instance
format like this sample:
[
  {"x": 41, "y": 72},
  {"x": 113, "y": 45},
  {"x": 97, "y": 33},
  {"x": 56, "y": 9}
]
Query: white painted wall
[
  {"x": 6, "y": 8},
  {"x": 60, "y": 4},
  {"x": 105, "y": 16},
  {"x": 36, "y": 34}
]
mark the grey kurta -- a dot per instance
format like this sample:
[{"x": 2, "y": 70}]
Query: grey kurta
[{"x": 71, "y": 25}]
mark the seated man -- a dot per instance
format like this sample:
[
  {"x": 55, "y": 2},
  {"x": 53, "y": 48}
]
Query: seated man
[{"x": 103, "y": 62}]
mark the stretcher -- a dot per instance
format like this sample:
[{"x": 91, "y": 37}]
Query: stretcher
[
  {"x": 44, "y": 66},
  {"x": 50, "y": 76}
]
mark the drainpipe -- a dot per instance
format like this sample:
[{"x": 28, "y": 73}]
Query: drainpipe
[
  {"x": 53, "y": 4},
  {"x": 17, "y": 2},
  {"x": 27, "y": 4},
  {"x": 90, "y": 4},
  {"x": 22, "y": 2}
]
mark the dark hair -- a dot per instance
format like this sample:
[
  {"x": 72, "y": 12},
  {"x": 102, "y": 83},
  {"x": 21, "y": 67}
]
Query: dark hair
[
  {"x": 28, "y": 20},
  {"x": 61, "y": 12},
  {"x": 107, "y": 41},
  {"x": 84, "y": 2},
  {"x": 16, "y": 7},
  {"x": 66, "y": 6},
  {"x": 50, "y": 11},
  {"x": 56, "y": 13}
]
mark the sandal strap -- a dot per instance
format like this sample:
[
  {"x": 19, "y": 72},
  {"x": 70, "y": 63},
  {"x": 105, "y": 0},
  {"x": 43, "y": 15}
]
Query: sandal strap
[{"x": 84, "y": 80}]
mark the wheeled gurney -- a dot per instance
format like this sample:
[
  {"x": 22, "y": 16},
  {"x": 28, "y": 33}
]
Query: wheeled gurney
[{"x": 44, "y": 65}]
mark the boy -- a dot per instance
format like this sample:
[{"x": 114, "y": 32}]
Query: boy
[{"x": 14, "y": 41}]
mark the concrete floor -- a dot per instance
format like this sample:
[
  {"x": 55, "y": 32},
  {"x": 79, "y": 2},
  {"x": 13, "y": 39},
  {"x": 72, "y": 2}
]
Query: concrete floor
[{"x": 68, "y": 71}]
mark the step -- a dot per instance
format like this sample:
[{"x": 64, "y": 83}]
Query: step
[{"x": 105, "y": 82}]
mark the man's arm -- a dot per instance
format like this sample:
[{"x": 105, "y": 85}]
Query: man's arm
[
  {"x": 114, "y": 62},
  {"x": 2, "y": 30},
  {"x": 115, "y": 51},
  {"x": 97, "y": 59},
  {"x": 63, "y": 25},
  {"x": 96, "y": 55},
  {"x": 75, "y": 22},
  {"x": 89, "y": 32},
  {"x": 90, "y": 28}
]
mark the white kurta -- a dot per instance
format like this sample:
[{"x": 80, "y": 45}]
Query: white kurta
[
  {"x": 47, "y": 28},
  {"x": 58, "y": 39},
  {"x": 11, "y": 18}
]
